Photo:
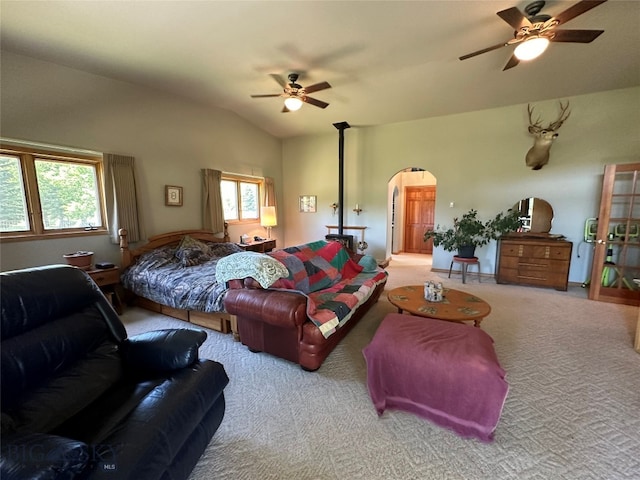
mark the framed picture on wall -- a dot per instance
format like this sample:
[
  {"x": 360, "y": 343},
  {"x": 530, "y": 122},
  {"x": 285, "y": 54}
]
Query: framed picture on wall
[
  {"x": 308, "y": 203},
  {"x": 172, "y": 196}
]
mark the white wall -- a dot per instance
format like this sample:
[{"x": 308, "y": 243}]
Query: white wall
[
  {"x": 478, "y": 161},
  {"x": 171, "y": 139},
  {"x": 476, "y": 157}
]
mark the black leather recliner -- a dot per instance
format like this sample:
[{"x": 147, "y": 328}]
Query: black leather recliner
[{"x": 81, "y": 400}]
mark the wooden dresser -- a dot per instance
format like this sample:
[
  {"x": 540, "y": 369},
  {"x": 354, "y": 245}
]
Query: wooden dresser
[{"x": 541, "y": 262}]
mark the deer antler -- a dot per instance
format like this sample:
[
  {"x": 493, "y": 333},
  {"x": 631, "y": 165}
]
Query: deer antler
[
  {"x": 533, "y": 127},
  {"x": 561, "y": 118}
]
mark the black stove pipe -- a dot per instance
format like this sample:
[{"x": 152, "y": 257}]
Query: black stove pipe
[{"x": 341, "y": 126}]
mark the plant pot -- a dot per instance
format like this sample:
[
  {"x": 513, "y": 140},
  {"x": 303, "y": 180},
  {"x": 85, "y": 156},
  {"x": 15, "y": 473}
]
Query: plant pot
[
  {"x": 81, "y": 260},
  {"x": 467, "y": 251}
]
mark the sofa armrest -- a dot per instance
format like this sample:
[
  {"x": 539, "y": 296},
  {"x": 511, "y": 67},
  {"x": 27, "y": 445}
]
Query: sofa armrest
[
  {"x": 41, "y": 456},
  {"x": 276, "y": 307},
  {"x": 163, "y": 350}
]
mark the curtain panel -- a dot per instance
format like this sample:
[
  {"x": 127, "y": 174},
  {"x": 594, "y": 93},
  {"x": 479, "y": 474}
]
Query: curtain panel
[
  {"x": 212, "y": 212},
  {"x": 269, "y": 192},
  {"x": 122, "y": 198}
]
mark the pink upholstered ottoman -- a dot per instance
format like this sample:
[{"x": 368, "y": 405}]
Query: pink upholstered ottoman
[{"x": 445, "y": 372}]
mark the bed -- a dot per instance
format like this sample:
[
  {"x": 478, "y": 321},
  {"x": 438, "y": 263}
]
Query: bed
[{"x": 174, "y": 274}]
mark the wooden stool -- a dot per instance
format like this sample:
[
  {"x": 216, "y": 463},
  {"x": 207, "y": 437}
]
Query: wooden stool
[{"x": 464, "y": 264}]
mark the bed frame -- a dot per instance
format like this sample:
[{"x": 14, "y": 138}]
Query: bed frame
[{"x": 219, "y": 321}]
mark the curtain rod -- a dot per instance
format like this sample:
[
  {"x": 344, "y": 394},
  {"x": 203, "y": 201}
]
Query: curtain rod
[
  {"x": 233, "y": 174},
  {"x": 47, "y": 146}
]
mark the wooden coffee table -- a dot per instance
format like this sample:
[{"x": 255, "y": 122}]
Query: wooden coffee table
[{"x": 457, "y": 306}]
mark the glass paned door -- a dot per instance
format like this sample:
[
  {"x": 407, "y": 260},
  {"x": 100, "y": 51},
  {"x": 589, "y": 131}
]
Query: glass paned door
[{"x": 615, "y": 275}]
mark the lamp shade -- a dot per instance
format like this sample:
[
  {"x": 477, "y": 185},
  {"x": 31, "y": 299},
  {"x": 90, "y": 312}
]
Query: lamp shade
[
  {"x": 531, "y": 48},
  {"x": 268, "y": 217},
  {"x": 293, "y": 103}
]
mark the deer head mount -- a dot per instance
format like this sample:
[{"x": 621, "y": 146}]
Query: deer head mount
[{"x": 538, "y": 155}]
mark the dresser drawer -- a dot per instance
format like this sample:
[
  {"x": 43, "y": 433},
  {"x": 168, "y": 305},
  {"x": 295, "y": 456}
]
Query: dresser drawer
[
  {"x": 534, "y": 262},
  {"x": 105, "y": 277}
]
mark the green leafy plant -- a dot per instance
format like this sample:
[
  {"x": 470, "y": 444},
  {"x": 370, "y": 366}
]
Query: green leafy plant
[{"x": 469, "y": 231}]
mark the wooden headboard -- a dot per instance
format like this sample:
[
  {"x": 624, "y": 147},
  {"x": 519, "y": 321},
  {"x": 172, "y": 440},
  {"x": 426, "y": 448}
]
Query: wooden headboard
[{"x": 127, "y": 257}]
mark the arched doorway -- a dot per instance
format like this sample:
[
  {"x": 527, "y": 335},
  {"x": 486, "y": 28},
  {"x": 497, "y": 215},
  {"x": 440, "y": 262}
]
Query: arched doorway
[{"x": 411, "y": 203}]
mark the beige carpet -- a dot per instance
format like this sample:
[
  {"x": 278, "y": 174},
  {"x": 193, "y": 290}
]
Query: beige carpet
[{"x": 573, "y": 409}]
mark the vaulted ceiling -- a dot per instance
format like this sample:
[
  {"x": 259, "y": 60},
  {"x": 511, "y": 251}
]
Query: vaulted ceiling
[{"x": 387, "y": 61}]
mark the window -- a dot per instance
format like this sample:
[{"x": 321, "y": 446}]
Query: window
[
  {"x": 45, "y": 194},
  {"x": 240, "y": 199}
]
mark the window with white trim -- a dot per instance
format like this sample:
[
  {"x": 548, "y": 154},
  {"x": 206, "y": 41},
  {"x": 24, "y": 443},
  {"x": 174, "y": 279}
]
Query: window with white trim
[
  {"x": 240, "y": 199},
  {"x": 48, "y": 194}
]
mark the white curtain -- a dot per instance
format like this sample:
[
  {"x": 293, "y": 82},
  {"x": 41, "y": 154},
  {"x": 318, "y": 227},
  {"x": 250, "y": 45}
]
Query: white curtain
[
  {"x": 269, "y": 192},
  {"x": 212, "y": 212},
  {"x": 121, "y": 197}
]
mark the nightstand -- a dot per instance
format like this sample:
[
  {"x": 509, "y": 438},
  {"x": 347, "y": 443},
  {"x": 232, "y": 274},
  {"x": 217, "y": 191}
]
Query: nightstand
[
  {"x": 260, "y": 246},
  {"x": 108, "y": 279}
]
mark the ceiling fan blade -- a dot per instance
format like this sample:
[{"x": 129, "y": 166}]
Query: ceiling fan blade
[
  {"x": 577, "y": 9},
  {"x": 513, "y": 61},
  {"x": 484, "y": 50},
  {"x": 281, "y": 81},
  {"x": 285, "y": 110},
  {"x": 515, "y": 18},
  {"x": 266, "y": 95},
  {"x": 313, "y": 101},
  {"x": 577, "y": 36},
  {"x": 317, "y": 87}
]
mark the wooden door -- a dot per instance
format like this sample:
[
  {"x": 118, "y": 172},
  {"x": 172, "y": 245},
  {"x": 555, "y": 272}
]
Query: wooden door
[
  {"x": 616, "y": 259},
  {"x": 420, "y": 203}
]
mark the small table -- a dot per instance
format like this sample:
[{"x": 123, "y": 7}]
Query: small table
[
  {"x": 457, "y": 306},
  {"x": 108, "y": 279},
  {"x": 260, "y": 246}
]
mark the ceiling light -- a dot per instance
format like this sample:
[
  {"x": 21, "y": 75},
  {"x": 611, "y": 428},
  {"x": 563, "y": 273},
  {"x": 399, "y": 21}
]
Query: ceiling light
[
  {"x": 293, "y": 103},
  {"x": 531, "y": 48}
]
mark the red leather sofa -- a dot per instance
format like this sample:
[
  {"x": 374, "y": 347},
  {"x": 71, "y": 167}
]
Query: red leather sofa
[{"x": 275, "y": 320}]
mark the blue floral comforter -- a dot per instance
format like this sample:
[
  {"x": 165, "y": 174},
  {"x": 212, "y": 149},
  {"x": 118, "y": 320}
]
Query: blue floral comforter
[{"x": 161, "y": 277}]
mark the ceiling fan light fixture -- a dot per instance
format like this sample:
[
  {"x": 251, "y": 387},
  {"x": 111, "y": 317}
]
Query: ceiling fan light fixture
[
  {"x": 293, "y": 103},
  {"x": 531, "y": 48}
]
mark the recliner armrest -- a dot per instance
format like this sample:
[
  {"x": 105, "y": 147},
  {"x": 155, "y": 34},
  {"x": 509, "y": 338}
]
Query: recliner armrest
[
  {"x": 162, "y": 351},
  {"x": 40, "y": 456}
]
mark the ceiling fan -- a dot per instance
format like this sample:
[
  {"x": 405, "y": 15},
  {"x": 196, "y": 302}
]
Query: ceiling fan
[
  {"x": 295, "y": 95},
  {"x": 534, "y": 31}
]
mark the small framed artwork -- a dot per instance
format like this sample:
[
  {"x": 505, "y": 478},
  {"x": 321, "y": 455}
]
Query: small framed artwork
[
  {"x": 172, "y": 196},
  {"x": 308, "y": 203}
]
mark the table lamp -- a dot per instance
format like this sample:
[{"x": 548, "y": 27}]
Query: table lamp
[{"x": 268, "y": 219}]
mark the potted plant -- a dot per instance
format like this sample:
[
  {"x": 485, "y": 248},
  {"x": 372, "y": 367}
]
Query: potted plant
[{"x": 468, "y": 232}]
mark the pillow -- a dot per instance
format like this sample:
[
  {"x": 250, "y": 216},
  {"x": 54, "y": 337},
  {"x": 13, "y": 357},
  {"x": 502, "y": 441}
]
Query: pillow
[
  {"x": 263, "y": 268},
  {"x": 223, "y": 249},
  {"x": 192, "y": 252},
  {"x": 368, "y": 263}
]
